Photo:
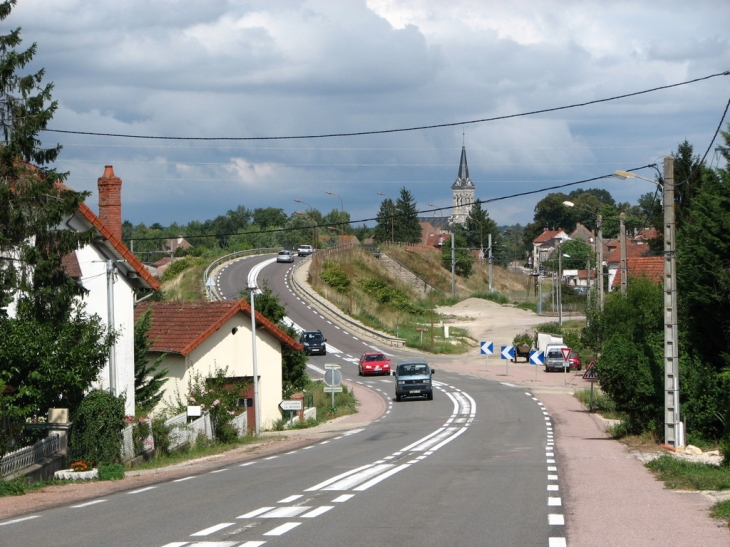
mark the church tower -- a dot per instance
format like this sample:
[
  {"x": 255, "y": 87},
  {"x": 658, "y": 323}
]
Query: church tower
[{"x": 462, "y": 192}]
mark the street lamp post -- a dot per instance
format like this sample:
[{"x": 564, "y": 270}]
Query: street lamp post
[
  {"x": 392, "y": 214},
  {"x": 314, "y": 222},
  {"x": 673, "y": 428},
  {"x": 257, "y": 419}
]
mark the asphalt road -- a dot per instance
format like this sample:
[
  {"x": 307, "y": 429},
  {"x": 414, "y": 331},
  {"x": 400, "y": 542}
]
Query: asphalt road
[{"x": 475, "y": 466}]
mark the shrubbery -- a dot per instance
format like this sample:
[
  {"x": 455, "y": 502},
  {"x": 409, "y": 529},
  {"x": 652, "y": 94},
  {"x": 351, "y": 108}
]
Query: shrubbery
[{"x": 97, "y": 426}]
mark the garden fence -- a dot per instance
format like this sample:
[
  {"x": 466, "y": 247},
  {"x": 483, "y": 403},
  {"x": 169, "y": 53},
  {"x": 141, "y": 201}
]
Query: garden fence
[{"x": 13, "y": 462}]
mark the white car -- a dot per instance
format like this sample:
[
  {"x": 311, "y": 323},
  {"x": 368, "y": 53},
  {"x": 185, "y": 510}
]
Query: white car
[
  {"x": 285, "y": 256},
  {"x": 305, "y": 250}
]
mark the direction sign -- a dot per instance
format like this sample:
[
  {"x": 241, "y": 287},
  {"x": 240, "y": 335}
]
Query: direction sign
[
  {"x": 332, "y": 366},
  {"x": 591, "y": 373},
  {"x": 333, "y": 377},
  {"x": 508, "y": 352},
  {"x": 421, "y": 328},
  {"x": 537, "y": 357},
  {"x": 566, "y": 353},
  {"x": 487, "y": 348},
  {"x": 291, "y": 405},
  {"x": 333, "y": 389}
]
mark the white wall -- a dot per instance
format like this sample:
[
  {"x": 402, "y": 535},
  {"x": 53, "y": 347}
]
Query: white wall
[{"x": 94, "y": 279}]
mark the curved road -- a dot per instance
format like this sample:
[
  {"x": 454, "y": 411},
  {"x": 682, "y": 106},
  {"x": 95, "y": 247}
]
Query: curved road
[{"x": 474, "y": 466}]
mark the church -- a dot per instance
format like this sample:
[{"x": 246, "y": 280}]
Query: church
[{"x": 462, "y": 198}]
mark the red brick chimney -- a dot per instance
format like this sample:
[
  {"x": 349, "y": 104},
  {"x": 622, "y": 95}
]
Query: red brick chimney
[{"x": 110, "y": 201}]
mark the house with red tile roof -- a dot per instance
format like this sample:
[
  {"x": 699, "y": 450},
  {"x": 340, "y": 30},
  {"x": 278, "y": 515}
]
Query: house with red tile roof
[
  {"x": 651, "y": 267},
  {"x": 114, "y": 278},
  {"x": 613, "y": 258},
  {"x": 545, "y": 244},
  {"x": 200, "y": 337}
]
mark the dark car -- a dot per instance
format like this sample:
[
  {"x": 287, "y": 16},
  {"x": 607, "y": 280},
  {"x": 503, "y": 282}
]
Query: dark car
[
  {"x": 313, "y": 342},
  {"x": 413, "y": 379},
  {"x": 373, "y": 363}
]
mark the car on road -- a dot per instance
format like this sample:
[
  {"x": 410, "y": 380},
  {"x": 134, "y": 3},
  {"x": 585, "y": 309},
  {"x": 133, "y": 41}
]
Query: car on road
[
  {"x": 305, "y": 250},
  {"x": 373, "y": 363},
  {"x": 285, "y": 256},
  {"x": 413, "y": 379},
  {"x": 313, "y": 342}
]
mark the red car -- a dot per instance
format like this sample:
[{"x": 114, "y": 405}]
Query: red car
[
  {"x": 373, "y": 363},
  {"x": 574, "y": 360}
]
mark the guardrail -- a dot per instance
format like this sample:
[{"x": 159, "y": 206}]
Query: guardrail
[
  {"x": 326, "y": 308},
  {"x": 13, "y": 462},
  {"x": 210, "y": 291}
]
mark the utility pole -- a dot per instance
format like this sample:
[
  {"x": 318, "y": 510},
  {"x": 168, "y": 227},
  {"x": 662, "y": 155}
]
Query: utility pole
[
  {"x": 489, "y": 236},
  {"x": 622, "y": 244},
  {"x": 110, "y": 325},
  {"x": 453, "y": 266},
  {"x": 559, "y": 289},
  {"x": 257, "y": 418},
  {"x": 599, "y": 260},
  {"x": 673, "y": 429}
]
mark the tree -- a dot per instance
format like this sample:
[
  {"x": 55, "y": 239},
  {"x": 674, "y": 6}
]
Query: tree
[
  {"x": 478, "y": 228},
  {"x": 148, "y": 380},
  {"x": 464, "y": 263},
  {"x": 51, "y": 351},
  {"x": 407, "y": 227},
  {"x": 30, "y": 246},
  {"x": 385, "y": 229},
  {"x": 269, "y": 217}
]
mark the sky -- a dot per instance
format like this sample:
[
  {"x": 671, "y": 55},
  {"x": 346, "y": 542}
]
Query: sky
[{"x": 252, "y": 69}]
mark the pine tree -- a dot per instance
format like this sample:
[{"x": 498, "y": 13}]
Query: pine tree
[
  {"x": 34, "y": 204},
  {"x": 407, "y": 228},
  {"x": 385, "y": 229}
]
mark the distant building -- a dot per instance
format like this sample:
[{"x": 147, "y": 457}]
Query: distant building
[{"x": 462, "y": 192}]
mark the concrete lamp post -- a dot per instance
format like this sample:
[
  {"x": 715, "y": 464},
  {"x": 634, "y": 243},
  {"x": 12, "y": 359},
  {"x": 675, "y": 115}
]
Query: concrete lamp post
[
  {"x": 673, "y": 427},
  {"x": 314, "y": 222}
]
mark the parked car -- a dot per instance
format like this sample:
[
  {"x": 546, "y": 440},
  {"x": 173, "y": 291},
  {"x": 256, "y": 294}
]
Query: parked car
[
  {"x": 413, "y": 379},
  {"x": 305, "y": 250},
  {"x": 313, "y": 342},
  {"x": 554, "y": 357},
  {"x": 574, "y": 360},
  {"x": 285, "y": 256},
  {"x": 373, "y": 363}
]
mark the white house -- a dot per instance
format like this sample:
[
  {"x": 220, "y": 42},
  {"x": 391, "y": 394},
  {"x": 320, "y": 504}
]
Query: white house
[
  {"x": 114, "y": 277},
  {"x": 200, "y": 337}
]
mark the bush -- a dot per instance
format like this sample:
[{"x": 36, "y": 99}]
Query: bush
[
  {"x": 96, "y": 435},
  {"x": 111, "y": 472},
  {"x": 333, "y": 276},
  {"x": 497, "y": 297},
  {"x": 15, "y": 487},
  {"x": 161, "y": 435}
]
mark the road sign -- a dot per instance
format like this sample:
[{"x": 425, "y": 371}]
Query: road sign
[
  {"x": 421, "y": 328},
  {"x": 333, "y": 377},
  {"x": 333, "y": 389},
  {"x": 537, "y": 357},
  {"x": 591, "y": 373},
  {"x": 487, "y": 348},
  {"x": 332, "y": 366},
  {"x": 508, "y": 352},
  {"x": 291, "y": 405},
  {"x": 566, "y": 353}
]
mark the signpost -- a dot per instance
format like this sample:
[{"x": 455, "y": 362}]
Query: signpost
[
  {"x": 422, "y": 329},
  {"x": 333, "y": 379},
  {"x": 591, "y": 374},
  {"x": 487, "y": 349},
  {"x": 291, "y": 406},
  {"x": 508, "y": 352},
  {"x": 536, "y": 358},
  {"x": 566, "y": 363}
]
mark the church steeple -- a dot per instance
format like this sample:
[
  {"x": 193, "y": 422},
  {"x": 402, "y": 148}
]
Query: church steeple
[{"x": 462, "y": 192}]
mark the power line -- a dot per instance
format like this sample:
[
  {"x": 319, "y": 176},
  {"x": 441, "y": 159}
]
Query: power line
[{"x": 399, "y": 130}]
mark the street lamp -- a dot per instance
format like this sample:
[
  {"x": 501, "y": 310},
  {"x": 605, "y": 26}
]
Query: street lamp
[
  {"x": 599, "y": 250},
  {"x": 438, "y": 209},
  {"x": 257, "y": 421},
  {"x": 392, "y": 214},
  {"x": 314, "y": 222},
  {"x": 673, "y": 428}
]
